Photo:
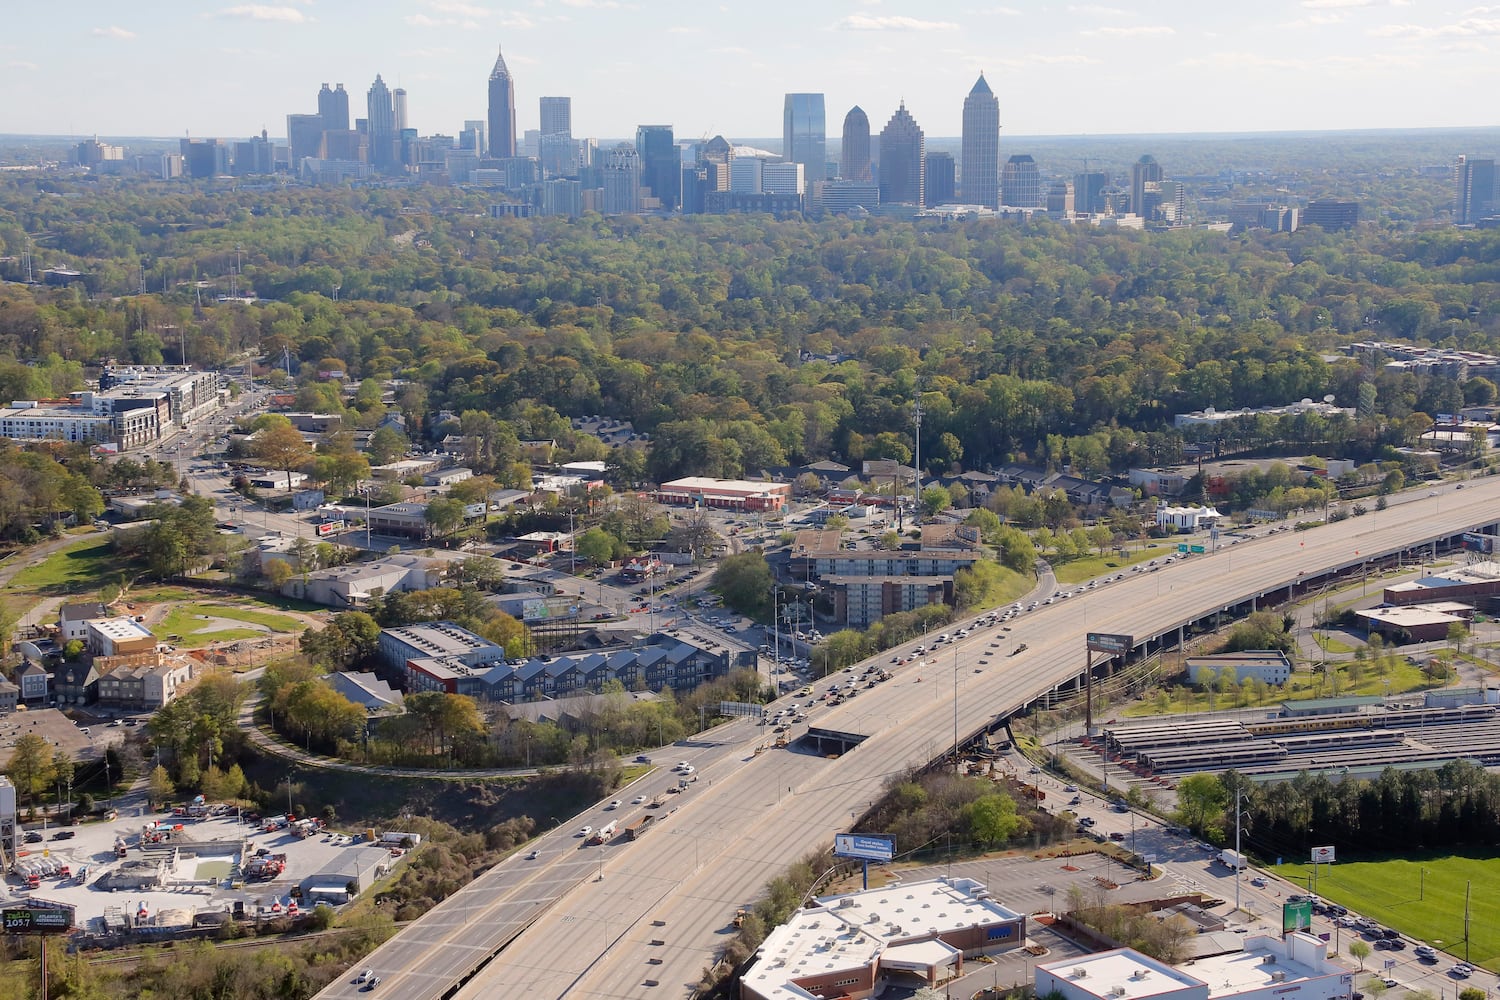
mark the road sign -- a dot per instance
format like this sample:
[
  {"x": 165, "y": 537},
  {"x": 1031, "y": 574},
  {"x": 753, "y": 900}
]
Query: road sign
[
  {"x": 1296, "y": 916},
  {"x": 864, "y": 846},
  {"x": 1196, "y": 550},
  {"x": 19, "y": 920},
  {"x": 1182, "y": 546},
  {"x": 1109, "y": 642},
  {"x": 1322, "y": 855}
]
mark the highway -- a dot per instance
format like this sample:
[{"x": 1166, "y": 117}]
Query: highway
[{"x": 662, "y": 911}]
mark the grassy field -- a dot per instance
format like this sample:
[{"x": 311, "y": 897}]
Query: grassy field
[
  {"x": 1404, "y": 676},
  {"x": 1331, "y": 645},
  {"x": 1079, "y": 570},
  {"x": 197, "y": 624},
  {"x": 1426, "y": 907},
  {"x": 84, "y": 566}
]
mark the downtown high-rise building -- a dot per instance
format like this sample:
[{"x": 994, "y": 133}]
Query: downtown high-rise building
[
  {"x": 661, "y": 164},
  {"x": 1020, "y": 182},
  {"x": 333, "y": 107},
  {"x": 804, "y": 135},
  {"x": 979, "y": 168},
  {"x": 380, "y": 126},
  {"x": 1088, "y": 192},
  {"x": 939, "y": 179},
  {"x": 854, "y": 157},
  {"x": 1145, "y": 186},
  {"x": 1473, "y": 190},
  {"x": 502, "y": 116},
  {"x": 556, "y": 149},
  {"x": 398, "y": 108},
  {"x": 903, "y": 160}
]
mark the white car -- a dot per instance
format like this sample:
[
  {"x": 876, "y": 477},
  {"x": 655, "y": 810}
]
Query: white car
[
  {"x": 587, "y": 831},
  {"x": 613, "y": 805},
  {"x": 364, "y": 976},
  {"x": 638, "y": 800},
  {"x": 682, "y": 765}
]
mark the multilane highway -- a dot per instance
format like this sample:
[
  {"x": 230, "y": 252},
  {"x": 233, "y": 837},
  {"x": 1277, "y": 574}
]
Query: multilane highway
[{"x": 662, "y": 910}]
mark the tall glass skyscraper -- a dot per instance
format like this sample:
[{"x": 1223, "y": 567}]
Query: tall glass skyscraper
[
  {"x": 502, "y": 115},
  {"x": 804, "y": 135},
  {"x": 558, "y": 153},
  {"x": 380, "y": 126},
  {"x": 854, "y": 158},
  {"x": 333, "y": 107},
  {"x": 903, "y": 160},
  {"x": 980, "y": 166},
  {"x": 661, "y": 163}
]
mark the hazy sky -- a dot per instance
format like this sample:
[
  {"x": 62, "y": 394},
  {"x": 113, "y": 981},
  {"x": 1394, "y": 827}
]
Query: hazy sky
[{"x": 229, "y": 69}]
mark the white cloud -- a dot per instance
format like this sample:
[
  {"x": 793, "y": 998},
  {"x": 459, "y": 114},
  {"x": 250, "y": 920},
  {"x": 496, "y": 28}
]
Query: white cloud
[
  {"x": 459, "y": 8},
  {"x": 1002, "y": 11},
  {"x": 1097, "y": 10},
  {"x": 423, "y": 21},
  {"x": 1327, "y": 4},
  {"x": 1469, "y": 27},
  {"x": 891, "y": 22},
  {"x": 266, "y": 12},
  {"x": 1139, "y": 31},
  {"x": 28, "y": 67},
  {"x": 113, "y": 31}
]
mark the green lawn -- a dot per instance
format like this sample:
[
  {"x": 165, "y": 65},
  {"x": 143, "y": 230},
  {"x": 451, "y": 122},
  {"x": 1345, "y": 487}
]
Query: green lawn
[
  {"x": 184, "y": 620},
  {"x": 1079, "y": 570},
  {"x": 1429, "y": 908},
  {"x": 1404, "y": 676},
  {"x": 85, "y": 566},
  {"x": 1331, "y": 645}
]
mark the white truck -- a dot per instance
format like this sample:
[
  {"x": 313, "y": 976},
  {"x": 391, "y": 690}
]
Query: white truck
[{"x": 1233, "y": 860}]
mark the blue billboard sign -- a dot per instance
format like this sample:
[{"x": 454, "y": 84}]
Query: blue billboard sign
[{"x": 864, "y": 846}]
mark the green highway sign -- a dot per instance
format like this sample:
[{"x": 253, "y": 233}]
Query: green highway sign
[
  {"x": 1196, "y": 550},
  {"x": 1182, "y": 546}
]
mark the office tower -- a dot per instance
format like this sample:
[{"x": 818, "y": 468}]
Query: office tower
[
  {"x": 661, "y": 164},
  {"x": 304, "y": 134},
  {"x": 1060, "y": 200},
  {"x": 1331, "y": 213},
  {"x": 204, "y": 157},
  {"x": 333, "y": 106},
  {"x": 940, "y": 179},
  {"x": 381, "y": 125},
  {"x": 981, "y": 147},
  {"x": 557, "y": 115},
  {"x": 472, "y": 138},
  {"x": 783, "y": 178},
  {"x": 903, "y": 159},
  {"x": 1145, "y": 186},
  {"x": 398, "y": 107},
  {"x": 502, "y": 115},
  {"x": 804, "y": 134},
  {"x": 854, "y": 157},
  {"x": 254, "y": 156},
  {"x": 622, "y": 180},
  {"x": 1020, "y": 183},
  {"x": 1474, "y": 190},
  {"x": 747, "y": 175},
  {"x": 1088, "y": 192}
]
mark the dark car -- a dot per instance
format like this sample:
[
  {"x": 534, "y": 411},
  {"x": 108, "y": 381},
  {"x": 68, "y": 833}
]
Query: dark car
[
  {"x": 63, "y": 835},
  {"x": 32, "y": 837}
]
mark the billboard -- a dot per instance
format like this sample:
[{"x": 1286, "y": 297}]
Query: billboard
[
  {"x": 864, "y": 846},
  {"x": 22, "y": 920},
  {"x": 1109, "y": 642},
  {"x": 1322, "y": 855},
  {"x": 1296, "y": 916}
]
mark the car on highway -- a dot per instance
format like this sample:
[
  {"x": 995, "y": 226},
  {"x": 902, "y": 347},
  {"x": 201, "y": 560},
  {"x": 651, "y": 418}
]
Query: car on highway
[
  {"x": 587, "y": 831},
  {"x": 1390, "y": 983},
  {"x": 613, "y": 805},
  {"x": 365, "y": 976},
  {"x": 1461, "y": 971},
  {"x": 374, "y": 982},
  {"x": 531, "y": 855},
  {"x": 1425, "y": 953},
  {"x": 1258, "y": 882},
  {"x": 638, "y": 800}
]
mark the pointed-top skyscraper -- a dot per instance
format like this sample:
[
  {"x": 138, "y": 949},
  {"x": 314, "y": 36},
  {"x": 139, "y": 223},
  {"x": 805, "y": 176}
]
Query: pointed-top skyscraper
[
  {"x": 502, "y": 110},
  {"x": 980, "y": 165}
]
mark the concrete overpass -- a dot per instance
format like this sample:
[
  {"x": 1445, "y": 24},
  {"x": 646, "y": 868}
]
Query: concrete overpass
[{"x": 644, "y": 919}]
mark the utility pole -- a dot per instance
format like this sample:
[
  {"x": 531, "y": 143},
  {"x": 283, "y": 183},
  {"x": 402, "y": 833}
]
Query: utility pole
[{"x": 916, "y": 413}]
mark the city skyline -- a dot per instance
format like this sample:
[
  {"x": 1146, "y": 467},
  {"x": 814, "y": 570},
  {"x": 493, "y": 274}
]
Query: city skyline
[{"x": 1284, "y": 65}]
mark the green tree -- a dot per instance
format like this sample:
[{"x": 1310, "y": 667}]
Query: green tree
[
  {"x": 159, "y": 787},
  {"x": 1359, "y": 950},
  {"x": 744, "y": 581},
  {"x": 992, "y": 819},
  {"x": 282, "y": 448},
  {"x": 596, "y": 545},
  {"x": 31, "y": 766},
  {"x": 935, "y": 500},
  {"x": 1201, "y": 799}
]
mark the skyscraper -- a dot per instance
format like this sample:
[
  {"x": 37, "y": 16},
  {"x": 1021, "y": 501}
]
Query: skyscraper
[
  {"x": 940, "y": 187},
  {"x": 1020, "y": 183},
  {"x": 558, "y": 153},
  {"x": 980, "y": 165},
  {"x": 622, "y": 181},
  {"x": 398, "y": 108},
  {"x": 1088, "y": 192},
  {"x": 854, "y": 159},
  {"x": 381, "y": 125},
  {"x": 661, "y": 163},
  {"x": 502, "y": 111},
  {"x": 304, "y": 134},
  {"x": 1474, "y": 190},
  {"x": 333, "y": 106},
  {"x": 903, "y": 160},
  {"x": 804, "y": 135},
  {"x": 1145, "y": 186}
]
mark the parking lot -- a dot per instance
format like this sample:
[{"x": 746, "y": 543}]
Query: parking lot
[{"x": 195, "y": 882}]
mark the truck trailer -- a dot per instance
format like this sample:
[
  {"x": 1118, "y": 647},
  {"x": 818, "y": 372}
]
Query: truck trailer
[{"x": 1233, "y": 860}]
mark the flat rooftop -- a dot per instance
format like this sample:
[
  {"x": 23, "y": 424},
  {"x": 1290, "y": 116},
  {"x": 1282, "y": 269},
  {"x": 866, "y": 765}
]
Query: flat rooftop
[
  {"x": 1409, "y": 616},
  {"x": 121, "y": 629},
  {"x": 1243, "y": 971},
  {"x": 1121, "y": 974}
]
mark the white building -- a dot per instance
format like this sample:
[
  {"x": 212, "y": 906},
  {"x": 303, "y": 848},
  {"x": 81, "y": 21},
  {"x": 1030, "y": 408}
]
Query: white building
[
  {"x": 353, "y": 585},
  {"x": 1191, "y": 518},
  {"x": 1270, "y": 968},
  {"x": 1209, "y": 416},
  {"x": 1268, "y": 665},
  {"x": 781, "y": 178}
]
